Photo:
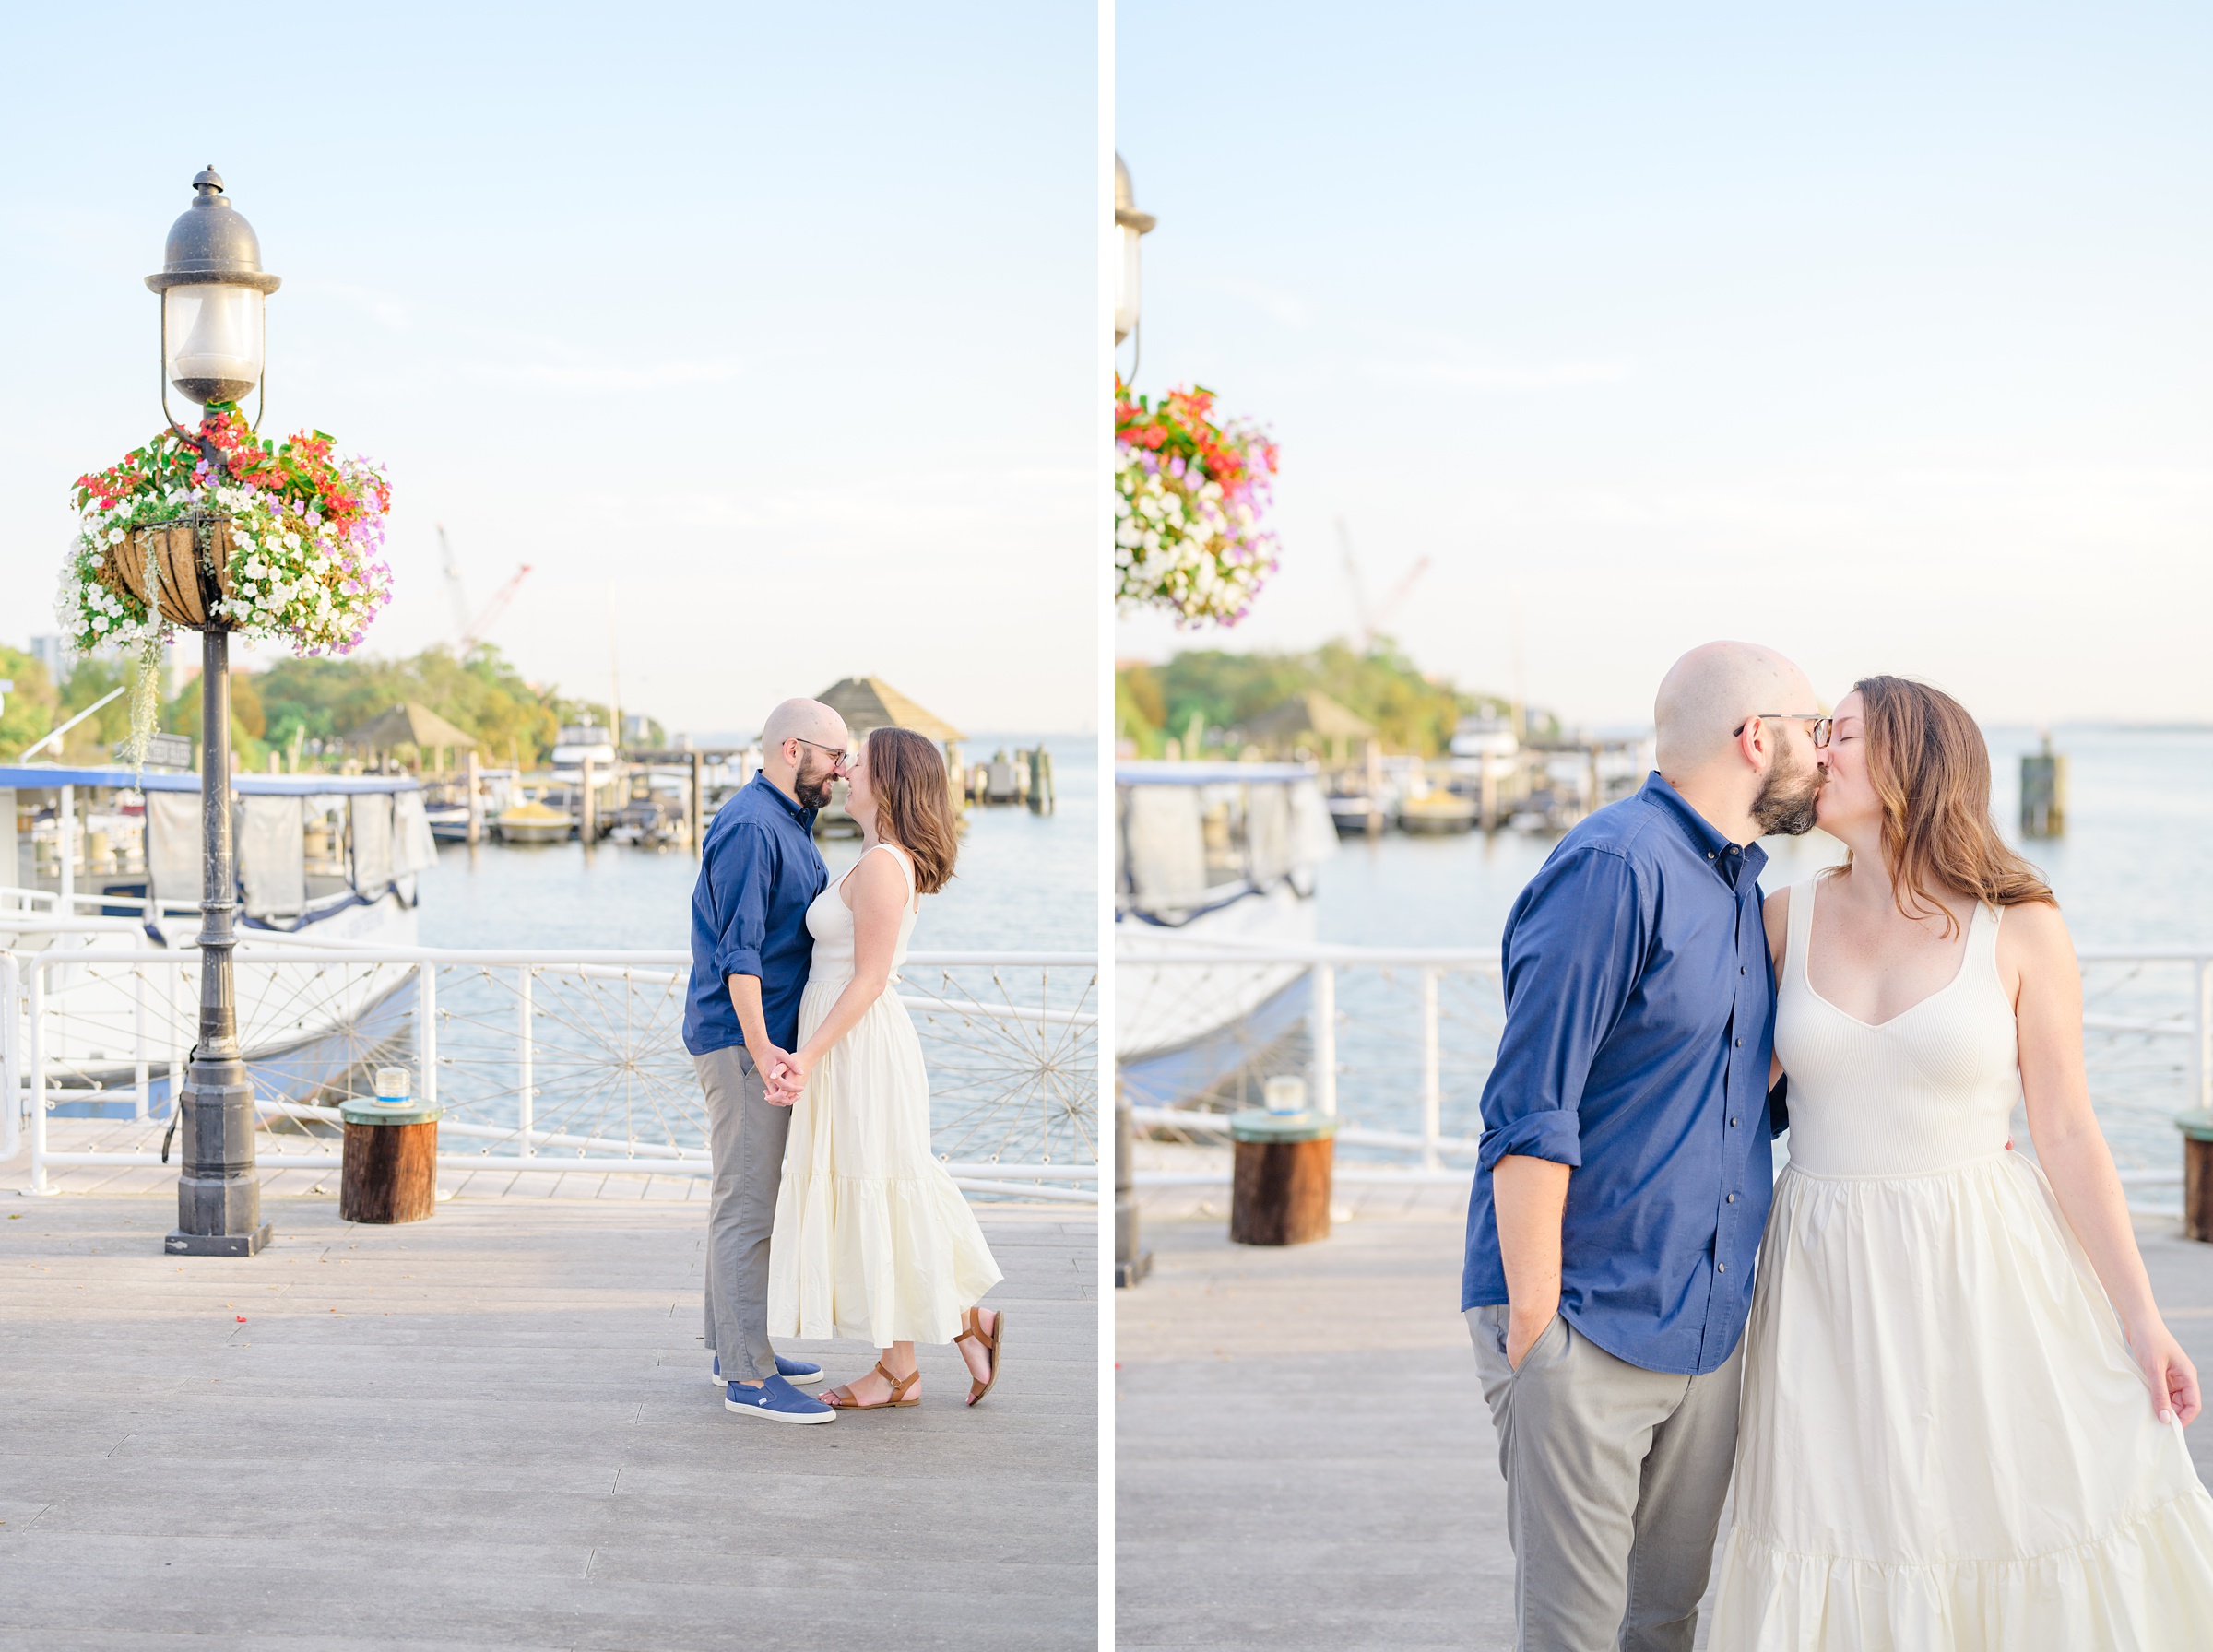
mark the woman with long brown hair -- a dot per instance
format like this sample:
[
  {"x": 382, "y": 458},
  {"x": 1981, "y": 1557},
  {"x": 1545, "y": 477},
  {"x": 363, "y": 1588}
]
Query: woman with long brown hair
[
  {"x": 1962, "y": 1414},
  {"x": 872, "y": 1240}
]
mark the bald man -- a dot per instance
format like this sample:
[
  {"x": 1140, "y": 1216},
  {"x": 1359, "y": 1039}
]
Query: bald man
[
  {"x": 1625, "y": 1168},
  {"x": 759, "y": 871}
]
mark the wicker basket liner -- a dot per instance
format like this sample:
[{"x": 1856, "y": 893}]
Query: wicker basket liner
[{"x": 154, "y": 564}]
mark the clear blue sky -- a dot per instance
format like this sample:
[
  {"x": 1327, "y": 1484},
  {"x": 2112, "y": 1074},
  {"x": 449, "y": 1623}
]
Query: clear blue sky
[
  {"x": 1879, "y": 333},
  {"x": 783, "y": 319}
]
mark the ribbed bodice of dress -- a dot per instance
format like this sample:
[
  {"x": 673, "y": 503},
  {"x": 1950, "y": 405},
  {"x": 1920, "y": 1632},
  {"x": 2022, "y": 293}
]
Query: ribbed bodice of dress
[
  {"x": 830, "y": 921},
  {"x": 1922, "y": 1091}
]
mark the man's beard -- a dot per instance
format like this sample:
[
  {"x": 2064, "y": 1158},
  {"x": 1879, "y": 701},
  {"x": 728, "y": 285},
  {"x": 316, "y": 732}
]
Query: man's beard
[
  {"x": 813, "y": 792},
  {"x": 1785, "y": 805}
]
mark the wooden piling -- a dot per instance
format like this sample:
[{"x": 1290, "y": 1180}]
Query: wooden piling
[
  {"x": 2044, "y": 793},
  {"x": 2197, "y": 1176},
  {"x": 476, "y": 799},
  {"x": 1281, "y": 1179},
  {"x": 695, "y": 817}
]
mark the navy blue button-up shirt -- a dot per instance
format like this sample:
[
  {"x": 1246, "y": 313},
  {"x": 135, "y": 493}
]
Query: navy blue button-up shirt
[
  {"x": 759, "y": 871},
  {"x": 1639, "y": 1020}
]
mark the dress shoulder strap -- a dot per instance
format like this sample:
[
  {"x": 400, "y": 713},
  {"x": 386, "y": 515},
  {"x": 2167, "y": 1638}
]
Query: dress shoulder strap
[{"x": 906, "y": 865}]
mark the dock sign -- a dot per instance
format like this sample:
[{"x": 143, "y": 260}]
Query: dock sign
[{"x": 163, "y": 752}]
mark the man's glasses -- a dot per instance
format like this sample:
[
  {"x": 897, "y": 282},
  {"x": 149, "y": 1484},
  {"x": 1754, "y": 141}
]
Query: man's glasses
[
  {"x": 1816, "y": 726},
  {"x": 839, "y": 755}
]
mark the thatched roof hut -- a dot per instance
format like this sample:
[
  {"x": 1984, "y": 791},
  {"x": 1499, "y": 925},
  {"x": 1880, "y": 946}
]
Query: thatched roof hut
[{"x": 867, "y": 702}]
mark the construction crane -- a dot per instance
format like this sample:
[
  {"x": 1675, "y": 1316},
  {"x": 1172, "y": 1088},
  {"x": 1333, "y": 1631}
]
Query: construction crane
[
  {"x": 1373, "y": 620},
  {"x": 455, "y": 593},
  {"x": 493, "y": 610}
]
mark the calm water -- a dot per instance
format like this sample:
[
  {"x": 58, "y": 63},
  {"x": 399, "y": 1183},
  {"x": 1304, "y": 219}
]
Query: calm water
[
  {"x": 2131, "y": 870},
  {"x": 1026, "y": 882}
]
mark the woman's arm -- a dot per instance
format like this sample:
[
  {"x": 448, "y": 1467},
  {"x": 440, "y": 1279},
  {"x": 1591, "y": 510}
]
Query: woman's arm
[
  {"x": 876, "y": 889},
  {"x": 2071, "y": 1148}
]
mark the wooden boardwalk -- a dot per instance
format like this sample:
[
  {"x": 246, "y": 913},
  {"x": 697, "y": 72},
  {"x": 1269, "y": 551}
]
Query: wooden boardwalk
[
  {"x": 495, "y": 1428},
  {"x": 1305, "y": 1459}
]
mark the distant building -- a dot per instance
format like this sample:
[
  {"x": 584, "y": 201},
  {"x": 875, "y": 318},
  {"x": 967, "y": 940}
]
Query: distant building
[{"x": 47, "y": 651}]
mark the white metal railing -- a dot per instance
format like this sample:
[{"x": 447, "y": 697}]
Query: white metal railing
[
  {"x": 541, "y": 1060},
  {"x": 1398, "y": 1041}
]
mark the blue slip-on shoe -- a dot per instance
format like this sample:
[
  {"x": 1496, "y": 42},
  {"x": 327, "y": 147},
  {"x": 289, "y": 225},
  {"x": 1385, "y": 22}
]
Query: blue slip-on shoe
[
  {"x": 778, "y": 1401},
  {"x": 791, "y": 1371}
]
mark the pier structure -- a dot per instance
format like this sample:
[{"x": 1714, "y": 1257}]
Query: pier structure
[
  {"x": 494, "y": 1429},
  {"x": 1256, "y": 1509}
]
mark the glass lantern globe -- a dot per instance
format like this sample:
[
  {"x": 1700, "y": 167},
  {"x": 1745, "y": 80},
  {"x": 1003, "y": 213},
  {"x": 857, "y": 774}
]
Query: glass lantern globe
[
  {"x": 215, "y": 341},
  {"x": 213, "y": 293},
  {"x": 1130, "y": 226}
]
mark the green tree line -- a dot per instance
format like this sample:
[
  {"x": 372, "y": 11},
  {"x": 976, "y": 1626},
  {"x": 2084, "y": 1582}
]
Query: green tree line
[
  {"x": 1411, "y": 711},
  {"x": 300, "y": 707}
]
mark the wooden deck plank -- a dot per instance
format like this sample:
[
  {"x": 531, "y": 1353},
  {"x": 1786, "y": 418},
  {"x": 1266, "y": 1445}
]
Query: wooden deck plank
[{"x": 493, "y": 1429}]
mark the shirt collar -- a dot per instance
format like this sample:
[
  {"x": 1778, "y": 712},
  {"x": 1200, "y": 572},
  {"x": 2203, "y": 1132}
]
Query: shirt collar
[
  {"x": 1729, "y": 859},
  {"x": 805, "y": 817}
]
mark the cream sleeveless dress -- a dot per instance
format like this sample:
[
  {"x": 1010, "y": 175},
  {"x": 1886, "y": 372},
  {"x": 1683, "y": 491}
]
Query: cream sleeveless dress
[
  {"x": 1944, "y": 1443},
  {"x": 872, "y": 1240}
]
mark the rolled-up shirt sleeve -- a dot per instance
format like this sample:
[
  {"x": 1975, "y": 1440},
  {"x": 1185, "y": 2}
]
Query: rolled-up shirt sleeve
[
  {"x": 1573, "y": 957},
  {"x": 739, "y": 878}
]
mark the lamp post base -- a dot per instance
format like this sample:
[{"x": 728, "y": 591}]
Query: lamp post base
[
  {"x": 218, "y": 1244},
  {"x": 219, "y": 1193}
]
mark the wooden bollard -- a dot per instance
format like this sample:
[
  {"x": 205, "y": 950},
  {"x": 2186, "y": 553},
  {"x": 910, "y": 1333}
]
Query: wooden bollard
[
  {"x": 1280, "y": 1192},
  {"x": 2197, "y": 1176},
  {"x": 391, "y": 1163}
]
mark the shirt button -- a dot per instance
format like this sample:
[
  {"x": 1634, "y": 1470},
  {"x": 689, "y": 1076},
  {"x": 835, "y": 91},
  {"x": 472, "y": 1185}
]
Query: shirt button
[
  {"x": 1740, "y": 969},
  {"x": 1732, "y": 1198},
  {"x": 1723, "y": 1267},
  {"x": 1733, "y": 1124},
  {"x": 1709, "y": 854}
]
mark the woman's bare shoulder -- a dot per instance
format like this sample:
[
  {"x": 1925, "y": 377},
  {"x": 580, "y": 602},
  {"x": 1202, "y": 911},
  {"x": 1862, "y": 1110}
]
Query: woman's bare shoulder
[{"x": 2035, "y": 928}]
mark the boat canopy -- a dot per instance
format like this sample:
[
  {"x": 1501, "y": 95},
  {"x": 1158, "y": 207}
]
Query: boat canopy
[
  {"x": 305, "y": 846},
  {"x": 1154, "y": 773},
  {"x": 32, "y": 776}
]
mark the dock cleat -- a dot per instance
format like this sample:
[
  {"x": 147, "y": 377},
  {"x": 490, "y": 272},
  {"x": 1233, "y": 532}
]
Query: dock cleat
[
  {"x": 791, "y": 1371},
  {"x": 778, "y": 1401}
]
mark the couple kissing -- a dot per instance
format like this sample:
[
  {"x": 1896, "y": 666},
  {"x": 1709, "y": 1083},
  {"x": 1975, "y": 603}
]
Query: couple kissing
[
  {"x": 829, "y": 1215},
  {"x": 1952, "y": 1411}
]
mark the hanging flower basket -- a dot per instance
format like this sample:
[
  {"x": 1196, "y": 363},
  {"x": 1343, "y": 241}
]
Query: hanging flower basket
[
  {"x": 292, "y": 535},
  {"x": 1189, "y": 499}
]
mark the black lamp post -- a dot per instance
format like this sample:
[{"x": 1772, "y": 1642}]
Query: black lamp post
[{"x": 213, "y": 289}]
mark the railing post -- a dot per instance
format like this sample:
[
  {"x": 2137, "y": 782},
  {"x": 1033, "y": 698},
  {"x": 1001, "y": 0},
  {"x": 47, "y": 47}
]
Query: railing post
[
  {"x": 525, "y": 1093},
  {"x": 178, "y": 1048},
  {"x": 426, "y": 1031},
  {"x": 38, "y": 1078},
  {"x": 1432, "y": 1087},
  {"x": 138, "y": 1044},
  {"x": 1325, "y": 1039},
  {"x": 65, "y": 829},
  {"x": 11, "y": 1034}
]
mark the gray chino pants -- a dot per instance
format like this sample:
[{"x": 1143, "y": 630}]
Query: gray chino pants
[
  {"x": 1614, "y": 1478},
  {"x": 745, "y": 1136}
]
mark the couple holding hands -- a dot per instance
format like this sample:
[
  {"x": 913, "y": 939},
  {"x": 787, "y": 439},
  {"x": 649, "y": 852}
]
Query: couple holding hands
[
  {"x": 829, "y": 1215},
  {"x": 1952, "y": 1411}
]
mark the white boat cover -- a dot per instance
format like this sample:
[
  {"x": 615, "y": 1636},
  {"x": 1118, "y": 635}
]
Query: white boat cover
[
  {"x": 272, "y": 857},
  {"x": 372, "y": 814},
  {"x": 1165, "y": 850},
  {"x": 414, "y": 848},
  {"x": 172, "y": 846}
]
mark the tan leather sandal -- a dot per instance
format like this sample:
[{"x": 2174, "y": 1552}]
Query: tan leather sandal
[
  {"x": 841, "y": 1397},
  {"x": 973, "y": 1331}
]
